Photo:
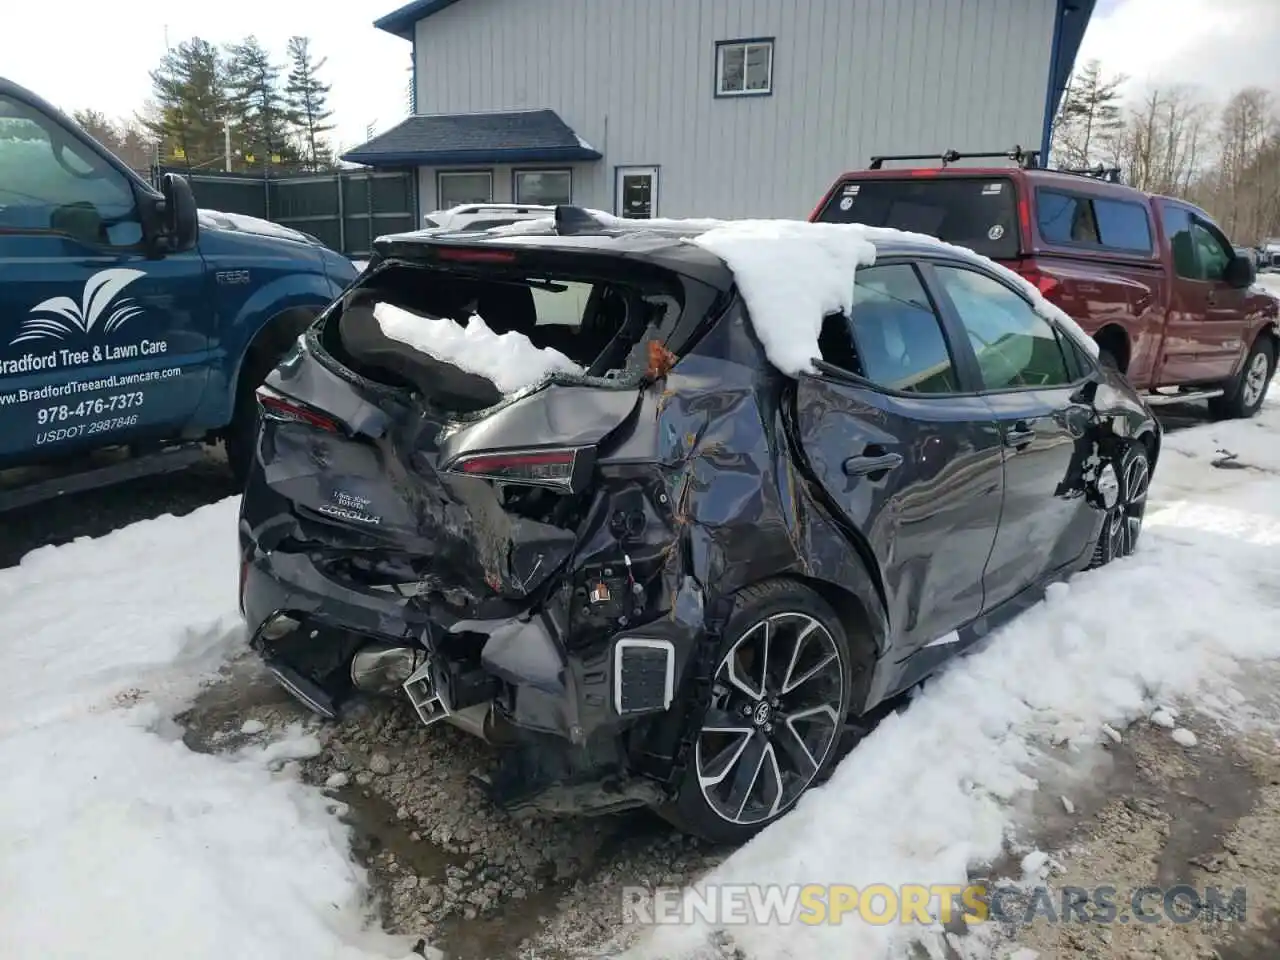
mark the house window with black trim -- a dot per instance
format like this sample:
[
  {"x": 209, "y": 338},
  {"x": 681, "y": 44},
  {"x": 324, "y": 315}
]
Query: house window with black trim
[
  {"x": 543, "y": 186},
  {"x": 744, "y": 68},
  {"x": 457, "y": 187}
]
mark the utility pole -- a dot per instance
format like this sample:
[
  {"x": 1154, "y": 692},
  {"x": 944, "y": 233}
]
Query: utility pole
[{"x": 226, "y": 143}]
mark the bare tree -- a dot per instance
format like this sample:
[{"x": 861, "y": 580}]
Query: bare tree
[
  {"x": 1246, "y": 129},
  {"x": 1170, "y": 140}
]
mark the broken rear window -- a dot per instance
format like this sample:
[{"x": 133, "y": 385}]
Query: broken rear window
[
  {"x": 510, "y": 327},
  {"x": 975, "y": 212}
]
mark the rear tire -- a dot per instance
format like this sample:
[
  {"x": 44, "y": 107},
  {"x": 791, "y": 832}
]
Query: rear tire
[
  {"x": 1244, "y": 395},
  {"x": 1108, "y": 359},
  {"x": 780, "y": 695}
]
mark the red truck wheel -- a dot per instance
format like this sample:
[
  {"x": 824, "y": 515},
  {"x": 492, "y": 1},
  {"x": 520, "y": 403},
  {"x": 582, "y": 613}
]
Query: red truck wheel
[{"x": 1244, "y": 394}]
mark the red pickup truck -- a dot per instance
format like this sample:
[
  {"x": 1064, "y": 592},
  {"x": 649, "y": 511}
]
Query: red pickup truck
[{"x": 1152, "y": 279}]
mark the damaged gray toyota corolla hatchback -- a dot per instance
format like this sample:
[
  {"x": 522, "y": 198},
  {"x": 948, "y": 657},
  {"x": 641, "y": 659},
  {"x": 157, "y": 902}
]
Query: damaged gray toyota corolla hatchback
[{"x": 660, "y": 507}]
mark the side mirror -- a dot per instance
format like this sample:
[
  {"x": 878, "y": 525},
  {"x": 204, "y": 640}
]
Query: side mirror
[
  {"x": 1240, "y": 272},
  {"x": 181, "y": 223}
]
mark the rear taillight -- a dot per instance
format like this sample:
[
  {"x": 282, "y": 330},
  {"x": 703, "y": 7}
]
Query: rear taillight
[
  {"x": 277, "y": 407},
  {"x": 1024, "y": 218},
  {"x": 540, "y": 468},
  {"x": 1040, "y": 280}
]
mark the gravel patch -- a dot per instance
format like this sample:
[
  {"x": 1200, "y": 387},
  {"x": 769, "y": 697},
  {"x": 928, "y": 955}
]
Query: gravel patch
[{"x": 447, "y": 866}]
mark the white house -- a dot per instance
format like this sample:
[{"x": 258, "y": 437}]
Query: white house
[{"x": 712, "y": 107}]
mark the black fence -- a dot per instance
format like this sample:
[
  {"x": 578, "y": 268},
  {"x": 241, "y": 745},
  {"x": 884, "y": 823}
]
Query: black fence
[{"x": 345, "y": 210}]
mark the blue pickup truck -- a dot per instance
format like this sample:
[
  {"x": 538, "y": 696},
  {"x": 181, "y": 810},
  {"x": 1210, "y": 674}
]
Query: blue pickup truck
[{"x": 133, "y": 327}]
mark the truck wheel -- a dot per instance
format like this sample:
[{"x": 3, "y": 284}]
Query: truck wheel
[
  {"x": 242, "y": 433},
  {"x": 779, "y": 698},
  {"x": 1244, "y": 394}
]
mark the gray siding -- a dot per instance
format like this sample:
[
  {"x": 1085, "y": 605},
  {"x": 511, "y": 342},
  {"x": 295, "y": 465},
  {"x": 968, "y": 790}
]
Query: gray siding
[{"x": 636, "y": 79}]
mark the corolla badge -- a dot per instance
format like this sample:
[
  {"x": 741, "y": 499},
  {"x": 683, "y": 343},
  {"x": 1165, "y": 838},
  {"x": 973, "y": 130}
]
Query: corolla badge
[{"x": 60, "y": 317}]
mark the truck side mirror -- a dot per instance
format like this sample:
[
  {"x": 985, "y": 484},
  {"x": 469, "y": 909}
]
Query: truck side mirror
[
  {"x": 181, "y": 223},
  {"x": 1240, "y": 272}
]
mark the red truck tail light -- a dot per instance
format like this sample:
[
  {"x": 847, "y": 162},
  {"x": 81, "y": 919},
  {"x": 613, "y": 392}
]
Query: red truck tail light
[
  {"x": 279, "y": 407},
  {"x": 540, "y": 468},
  {"x": 1024, "y": 218}
]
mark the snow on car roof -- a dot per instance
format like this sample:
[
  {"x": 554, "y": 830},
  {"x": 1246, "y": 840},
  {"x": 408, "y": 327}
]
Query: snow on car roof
[{"x": 792, "y": 273}]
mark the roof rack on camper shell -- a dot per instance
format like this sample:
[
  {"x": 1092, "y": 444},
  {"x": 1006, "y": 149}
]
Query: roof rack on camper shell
[
  {"x": 1098, "y": 172},
  {"x": 1027, "y": 159}
]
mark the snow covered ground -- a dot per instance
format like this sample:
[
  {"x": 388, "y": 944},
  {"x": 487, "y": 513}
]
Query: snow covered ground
[{"x": 118, "y": 841}]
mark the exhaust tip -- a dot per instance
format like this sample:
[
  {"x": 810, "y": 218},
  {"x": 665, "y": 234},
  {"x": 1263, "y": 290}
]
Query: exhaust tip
[{"x": 383, "y": 669}]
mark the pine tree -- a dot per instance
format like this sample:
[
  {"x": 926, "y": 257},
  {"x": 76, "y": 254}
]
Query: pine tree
[
  {"x": 1089, "y": 117},
  {"x": 308, "y": 103},
  {"x": 189, "y": 102},
  {"x": 263, "y": 119}
]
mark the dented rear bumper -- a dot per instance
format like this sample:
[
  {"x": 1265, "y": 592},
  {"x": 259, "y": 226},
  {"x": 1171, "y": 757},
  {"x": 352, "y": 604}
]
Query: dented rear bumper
[
  {"x": 578, "y": 721},
  {"x": 541, "y": 681}
]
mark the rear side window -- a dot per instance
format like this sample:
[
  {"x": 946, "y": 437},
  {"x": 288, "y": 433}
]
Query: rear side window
[
  {"x": 1066, "y": 218},
  {"x": 1015, "y": 346},
  {"x": 895, "y": 339},
  {"x": 1123, "y": 225},
  {"x": 978, "y": 213}
]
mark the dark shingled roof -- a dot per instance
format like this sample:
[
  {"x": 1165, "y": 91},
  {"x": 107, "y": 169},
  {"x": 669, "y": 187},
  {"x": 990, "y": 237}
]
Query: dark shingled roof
[
  {"x": 402, "y": 21},
  {"x": 517, "y": 136}
]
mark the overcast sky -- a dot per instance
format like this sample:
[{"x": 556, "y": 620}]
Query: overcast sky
[
  {"x": 97, "y": 55},
  {"x": 1217, "y": 45}
]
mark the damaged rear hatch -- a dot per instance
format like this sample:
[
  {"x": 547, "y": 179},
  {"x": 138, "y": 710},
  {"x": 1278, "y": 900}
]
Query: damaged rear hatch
[{"x": 437, "y": 431}]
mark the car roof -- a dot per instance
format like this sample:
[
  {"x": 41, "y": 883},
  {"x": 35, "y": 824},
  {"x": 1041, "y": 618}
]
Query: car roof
[
  {"x": 662, "y": 243},
  {"x": 661, "y": 247}
]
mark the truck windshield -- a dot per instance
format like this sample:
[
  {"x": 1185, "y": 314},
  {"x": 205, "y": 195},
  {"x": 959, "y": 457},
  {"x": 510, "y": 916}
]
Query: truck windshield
[{"x": 975, "y": 212}]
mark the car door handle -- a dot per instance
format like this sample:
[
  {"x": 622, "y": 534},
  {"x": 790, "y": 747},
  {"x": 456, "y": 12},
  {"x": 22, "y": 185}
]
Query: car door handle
[
  {"x": 874, "y": 459},
  {"x": 1019, "y": 436}
]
